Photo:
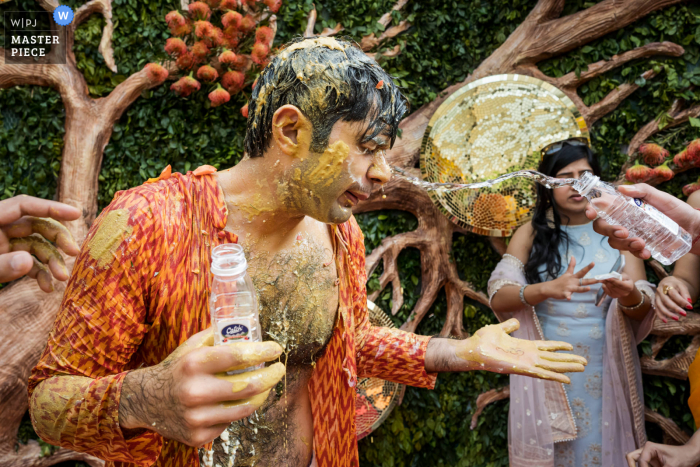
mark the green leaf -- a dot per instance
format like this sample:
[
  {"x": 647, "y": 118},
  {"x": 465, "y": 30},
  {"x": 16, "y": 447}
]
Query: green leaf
[{"x": 695, "y": 122}]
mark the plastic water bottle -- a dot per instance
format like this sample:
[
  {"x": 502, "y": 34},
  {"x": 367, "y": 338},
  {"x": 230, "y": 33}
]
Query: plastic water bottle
[
  {"x": 665, "y": 239},
  {"x": 232, "y": 304}
]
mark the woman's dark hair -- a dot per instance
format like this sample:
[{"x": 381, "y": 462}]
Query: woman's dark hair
[{"x": 548, "y": 233}]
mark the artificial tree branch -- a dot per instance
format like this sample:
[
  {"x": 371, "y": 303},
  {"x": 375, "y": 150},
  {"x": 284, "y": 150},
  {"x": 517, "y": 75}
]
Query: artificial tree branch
[
  {"x": 331, "y": 31},
  {"x": 657, "y": 343},
  {"x": 125, "y": 94},
  {"x": 658, "y": 269},
  {"x": 386, "y": 17},
  {"x": 561, "y": 35},
  {"x": 612, "y": 100},
  {"x": 48, "y": 5},
  {"x": 571, "y": 80},
  {"x": 487, "y": 398},
  {"x": 546, "y": 10},
  {"x": 371, "y": 41},
  {"x": 689, "y": 325},
  {"x": 674, "y": 367},
  {"x": 668, "y": 426},
  {"x": 311, "y": 23},
  {"x": 30, "y": 74},
  {"x": 103, "y": 7}
]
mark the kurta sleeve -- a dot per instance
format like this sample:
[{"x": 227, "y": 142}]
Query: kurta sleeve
[
  {"x": 74, "y": 390},
  {"x": 385, "y": 353}
]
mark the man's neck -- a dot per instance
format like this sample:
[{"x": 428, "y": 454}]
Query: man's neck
[{"x": 251, "y": 193}]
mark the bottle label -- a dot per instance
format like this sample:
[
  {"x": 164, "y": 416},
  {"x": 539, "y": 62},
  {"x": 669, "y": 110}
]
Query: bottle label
[
  {"x": 657, "y": 215},
  {"x": 234, "y": 330}
]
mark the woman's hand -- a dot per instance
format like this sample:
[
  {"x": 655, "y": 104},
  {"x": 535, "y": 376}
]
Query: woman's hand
[
  {"x": 671, "y": 298},
  {"x": 618, "y": 288},
  {"x": 661, "y": 455},
  {"x": 569, "y": 283}
]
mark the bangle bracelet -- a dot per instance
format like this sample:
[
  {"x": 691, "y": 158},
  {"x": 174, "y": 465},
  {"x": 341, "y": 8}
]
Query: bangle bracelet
[
  {"x": 522, "y": 295},
  {"x": 631, "y": 308}
]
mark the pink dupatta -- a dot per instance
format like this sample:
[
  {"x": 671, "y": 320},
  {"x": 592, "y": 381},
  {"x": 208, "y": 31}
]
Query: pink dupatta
[{"x": 540, "y": 414}]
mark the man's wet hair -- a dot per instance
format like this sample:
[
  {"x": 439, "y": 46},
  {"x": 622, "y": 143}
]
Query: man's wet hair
[{"x": 328, "y": 80}]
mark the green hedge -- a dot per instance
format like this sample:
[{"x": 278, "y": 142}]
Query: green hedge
[{"x": 447, "y": 41}]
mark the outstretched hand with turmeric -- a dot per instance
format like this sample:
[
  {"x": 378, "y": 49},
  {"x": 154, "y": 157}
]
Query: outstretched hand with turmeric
[
  {"x": 29, "y": 228},
  {"x": 491, "y": 348}
]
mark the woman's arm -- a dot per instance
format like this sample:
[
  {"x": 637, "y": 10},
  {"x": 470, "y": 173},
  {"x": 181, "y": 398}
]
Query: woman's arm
[
  {"x": 683, "y": 286},
  {"x": 507, "y": 298},
  {"x": 625, "y": 290}
]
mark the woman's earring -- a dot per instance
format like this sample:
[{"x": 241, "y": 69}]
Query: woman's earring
[{"x": 550, "y": 218}]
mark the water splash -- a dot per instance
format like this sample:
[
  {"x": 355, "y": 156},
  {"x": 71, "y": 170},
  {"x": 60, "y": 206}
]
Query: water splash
[{"x": 542, "y": 179}]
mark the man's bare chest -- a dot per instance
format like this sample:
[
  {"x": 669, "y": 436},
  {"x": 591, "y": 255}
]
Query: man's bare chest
[{"x": 298, "y": 296}]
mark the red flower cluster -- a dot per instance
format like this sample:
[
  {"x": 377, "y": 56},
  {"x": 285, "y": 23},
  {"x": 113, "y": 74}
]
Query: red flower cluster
[
  {"x": 156, "y": 73},
  {"x": 664, "y": 172},
  {"x": 219, "y": 96},
  {"x": 691, "y": 188},
  {"x": 175, "y": 46},
  {"x": 231, "y": 21},
  {"x": 207, "y": 73},
  {"x": 273, "y": 5},
  {"x": 238, "y": 19},
  {"x": 259, "y": 53},
  {"x": 264, "y": 34},
  {"x": 185, "y": 86},
  {"x": 639, "y": 173},
  {"x": 653, "y": 154},
  {"x": 244, "y": 110},
  {"x": 199, "y": 10},
  {"x": 689, "y": 157},
  {"x": 233, "y": 81}
]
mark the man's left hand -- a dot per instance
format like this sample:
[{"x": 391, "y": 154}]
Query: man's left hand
[{"x": 492, "y": 349}]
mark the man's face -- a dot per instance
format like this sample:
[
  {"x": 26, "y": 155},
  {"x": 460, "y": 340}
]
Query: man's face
[{"x": 326, "y": 186}]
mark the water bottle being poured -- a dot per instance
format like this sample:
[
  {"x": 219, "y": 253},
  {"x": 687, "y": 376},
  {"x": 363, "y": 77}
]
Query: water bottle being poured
[{"x": 665, "y": 239}]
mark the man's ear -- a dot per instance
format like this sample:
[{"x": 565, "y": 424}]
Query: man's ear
[{"x": 291, "y": 131}]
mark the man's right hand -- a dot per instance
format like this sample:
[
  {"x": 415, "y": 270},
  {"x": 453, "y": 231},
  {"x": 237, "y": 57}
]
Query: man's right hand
[
  {"x": 189, "y": 397},
  {"x": 682, "y": 213}
]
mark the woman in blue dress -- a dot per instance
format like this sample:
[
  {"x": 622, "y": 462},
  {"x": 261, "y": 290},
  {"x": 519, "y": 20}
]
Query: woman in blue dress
[{"x": 547, "y": 281}]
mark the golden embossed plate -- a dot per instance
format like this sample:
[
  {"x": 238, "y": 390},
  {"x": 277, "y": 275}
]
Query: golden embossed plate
[
  {"x": 375, "y": 398},
  {"x": 490, "y": 127}
]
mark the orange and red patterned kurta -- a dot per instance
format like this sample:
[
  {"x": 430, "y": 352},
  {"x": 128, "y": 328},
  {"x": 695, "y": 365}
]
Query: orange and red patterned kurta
[{"x": 140, "y": 288}]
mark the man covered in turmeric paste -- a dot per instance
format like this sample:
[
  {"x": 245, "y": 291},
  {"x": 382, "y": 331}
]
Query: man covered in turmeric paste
[{"x": 128, "y": 374}]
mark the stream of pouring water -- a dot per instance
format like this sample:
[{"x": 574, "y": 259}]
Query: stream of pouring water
[{"x": 542, "y": 179}]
